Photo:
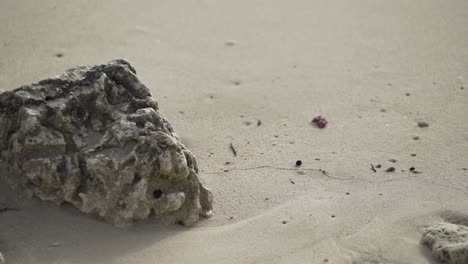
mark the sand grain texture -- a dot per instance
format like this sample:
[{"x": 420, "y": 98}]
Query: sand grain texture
[{"x": 288, "y": 62}]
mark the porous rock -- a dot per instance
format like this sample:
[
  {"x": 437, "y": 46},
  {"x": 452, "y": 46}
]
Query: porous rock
[
  {"x": 94, "y": 137},
  {"x": 448, "y": 242}
]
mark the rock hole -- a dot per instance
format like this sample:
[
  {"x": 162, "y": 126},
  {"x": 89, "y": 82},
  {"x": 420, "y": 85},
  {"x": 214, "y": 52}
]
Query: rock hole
[
  {"x": 180, "y": 222},
  {"x": 80, "y": 113},
  {"x": 136, "y": 179},
  {"x": 140, "y": 124},
  {"x": 48, "y": 98},
  {"x": 152, "y": 213},
  {"x": 157, "y": 194}
]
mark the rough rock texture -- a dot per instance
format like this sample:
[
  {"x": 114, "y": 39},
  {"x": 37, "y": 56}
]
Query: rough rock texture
[
  {"x": 448, "y": 242},
  {"x": 94, "y": 137}
]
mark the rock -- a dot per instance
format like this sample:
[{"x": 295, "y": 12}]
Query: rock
[
  {"x": 448, "y": 242},
  {"x": 422, "y": 124},
  {"x": 94, "y": 137},
  {"x": 2, "y": 259}
]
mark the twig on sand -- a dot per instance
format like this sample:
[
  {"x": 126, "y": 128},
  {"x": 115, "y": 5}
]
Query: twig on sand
[{"x": 233, "y": 150}]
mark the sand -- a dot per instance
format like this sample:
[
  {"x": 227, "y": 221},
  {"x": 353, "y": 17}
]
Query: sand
[{"x": 374, "y": 69}]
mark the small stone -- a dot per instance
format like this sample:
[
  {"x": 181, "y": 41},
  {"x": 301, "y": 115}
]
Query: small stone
[
  {"x": 393, "y": 160},
  {"x": 347, "y": 193},
  {"x": 298, "y": 163},
  {"x": 413, "y": 155},
  {"x": 284, "y": 222},
  {"x": 301, "y": 172},
  {"x": 320, "y": 121},
  {"x": 390, "y": 169},
  {"x": 422, "y": 124},
  {"x": 415, "y": 137},
  {"x": 412, "y": 169},
  {"x": 378, "y": 166}
]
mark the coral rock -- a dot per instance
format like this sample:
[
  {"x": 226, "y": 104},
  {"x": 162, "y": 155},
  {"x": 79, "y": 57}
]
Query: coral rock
[
  {"x": 448, "y": 242},
  {"x": 94, "y": 137}
]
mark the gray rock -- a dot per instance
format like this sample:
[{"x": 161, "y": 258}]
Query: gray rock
[
  {"x": 94, "y": 137},
  {"x": 448, "y": 242}
]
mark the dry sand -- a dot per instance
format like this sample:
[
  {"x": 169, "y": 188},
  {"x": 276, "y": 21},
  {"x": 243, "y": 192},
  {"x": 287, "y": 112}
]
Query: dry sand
[{"x": 217, "y": 66}]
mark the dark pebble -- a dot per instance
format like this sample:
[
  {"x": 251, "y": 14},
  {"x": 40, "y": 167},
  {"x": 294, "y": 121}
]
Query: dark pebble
[
  {"x": 391, "y": 169},
  {"x": 422, "y": 124},
  {"x": 298, "y": 163}
]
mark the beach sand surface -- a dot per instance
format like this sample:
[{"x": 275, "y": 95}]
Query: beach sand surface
[{"x": 374, "y": 69}]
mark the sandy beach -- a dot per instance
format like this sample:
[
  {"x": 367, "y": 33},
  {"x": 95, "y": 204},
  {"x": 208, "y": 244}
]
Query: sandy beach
[{"x": 254, "y": 74}]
